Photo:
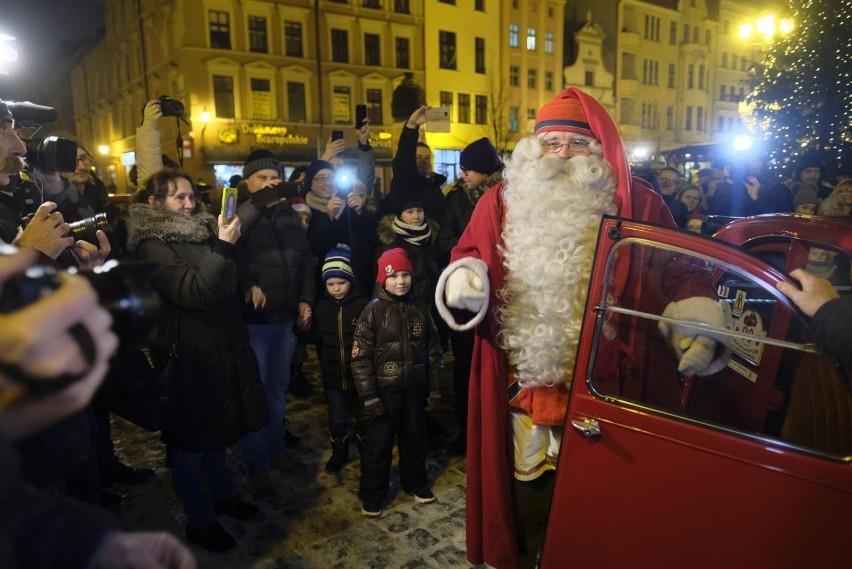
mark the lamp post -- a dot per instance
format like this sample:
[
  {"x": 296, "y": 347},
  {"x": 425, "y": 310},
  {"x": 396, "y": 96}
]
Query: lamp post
[{"x": 765, "y": 29}]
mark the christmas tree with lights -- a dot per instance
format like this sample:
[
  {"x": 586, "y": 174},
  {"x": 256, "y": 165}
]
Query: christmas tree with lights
[{"x": 802, "y": 96}]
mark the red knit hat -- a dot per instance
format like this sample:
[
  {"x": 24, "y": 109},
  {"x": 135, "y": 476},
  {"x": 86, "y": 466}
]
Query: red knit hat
[
  {"x": 393, "y": 261},
  {"x": 563, "y": 114}
]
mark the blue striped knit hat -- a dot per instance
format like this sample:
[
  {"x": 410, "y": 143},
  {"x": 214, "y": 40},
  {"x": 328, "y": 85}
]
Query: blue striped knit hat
[{"x": 338, "y": 264}]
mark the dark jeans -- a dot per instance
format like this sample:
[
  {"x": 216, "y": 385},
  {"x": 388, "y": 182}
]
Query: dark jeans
[
  {"x": 532, "y": 506},
  {"x": 189, "y": 472},
  {"x": 405, "y": 416},
  {"x": 340, "y": 406}
]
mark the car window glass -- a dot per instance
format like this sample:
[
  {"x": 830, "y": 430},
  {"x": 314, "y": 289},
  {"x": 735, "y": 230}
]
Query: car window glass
[{"x": 776, "y": 383}]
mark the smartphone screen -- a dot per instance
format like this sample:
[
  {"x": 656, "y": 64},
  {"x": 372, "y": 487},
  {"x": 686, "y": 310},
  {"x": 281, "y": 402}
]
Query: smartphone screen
[
  {"x": 229, "y": 204},
  {"x": 360, "y": 115},
  {"x": 336, "y": 134}
]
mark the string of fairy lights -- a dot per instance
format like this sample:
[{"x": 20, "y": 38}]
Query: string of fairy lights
[{"x": 802, "y": 97}]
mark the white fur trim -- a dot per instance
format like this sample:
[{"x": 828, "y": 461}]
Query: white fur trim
[
  {"x": 481, "y": 269},
  {"x": 698, "y": 309}
]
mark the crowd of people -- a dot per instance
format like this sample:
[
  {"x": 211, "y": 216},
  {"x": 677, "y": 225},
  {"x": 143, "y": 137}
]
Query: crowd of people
[{"x": 382, "y": 286}]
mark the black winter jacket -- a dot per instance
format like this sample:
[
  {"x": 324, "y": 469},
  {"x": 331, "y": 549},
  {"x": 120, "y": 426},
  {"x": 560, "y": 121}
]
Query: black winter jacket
[
  {"x": 396, "y": 347},
  {"x": 458, "y": 208},
  {"x": 407, "y": 181},
  {"x": 336, "y": 321},
  {"x": 274, "y": 254},
  {"x": 424, "y": 259},
  {"x": 217, "y": 396}
]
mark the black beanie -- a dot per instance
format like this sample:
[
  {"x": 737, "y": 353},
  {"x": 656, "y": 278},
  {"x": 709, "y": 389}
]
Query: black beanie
[
  {"x": 809, "y": 160},
  {"x": 260, "y": 160},
  {"x": 480, "y": 156},
  {"x": 405, "y": 198},
  {"x": 313, "y": 169}
]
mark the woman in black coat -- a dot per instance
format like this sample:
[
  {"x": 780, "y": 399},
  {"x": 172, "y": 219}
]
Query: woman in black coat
[{"x": 216, "y": 396}]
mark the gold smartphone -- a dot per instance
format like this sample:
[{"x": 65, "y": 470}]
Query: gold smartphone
[{"x": 229, "y": 204}]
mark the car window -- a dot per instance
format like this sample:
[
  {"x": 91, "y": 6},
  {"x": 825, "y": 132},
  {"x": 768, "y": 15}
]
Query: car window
[{"x": 776, "y": 385}]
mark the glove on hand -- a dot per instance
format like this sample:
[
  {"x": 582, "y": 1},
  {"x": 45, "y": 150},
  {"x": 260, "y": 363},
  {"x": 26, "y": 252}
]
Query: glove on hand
[
  {"x": 696, "y": 350},
  {"x": 465, "y": 290},
  {"x": 374, "y": 407}
]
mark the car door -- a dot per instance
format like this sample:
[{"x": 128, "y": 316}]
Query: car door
[{"x": 643, "y": 480}]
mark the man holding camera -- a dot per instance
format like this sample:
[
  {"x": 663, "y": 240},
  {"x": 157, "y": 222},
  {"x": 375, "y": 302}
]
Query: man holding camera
[{"x": 40, "y": 344}]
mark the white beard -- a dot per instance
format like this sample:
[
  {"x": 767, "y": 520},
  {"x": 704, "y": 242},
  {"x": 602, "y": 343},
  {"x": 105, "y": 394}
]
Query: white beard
[{"x": 553, "y": 213}]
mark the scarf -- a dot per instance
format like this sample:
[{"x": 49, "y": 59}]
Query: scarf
[
  {"x": 415, "y": 234},
  {"x": 321, "y": 204}
]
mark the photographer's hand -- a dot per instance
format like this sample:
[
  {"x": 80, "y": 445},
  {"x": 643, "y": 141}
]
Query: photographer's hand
[
  {"x": 151, "y": 114},
  {"x": 46, "y": 232},
  {"x": 255, "y": 297},
  {"x": 418, "y": 117},
  {"x": 356, "y": 202},
  {"x": 332, "y": 149},
  {"x": 335, "y": 206},
  {"x": 90, "y": 256},
  {"x": 364, "y": 133}
]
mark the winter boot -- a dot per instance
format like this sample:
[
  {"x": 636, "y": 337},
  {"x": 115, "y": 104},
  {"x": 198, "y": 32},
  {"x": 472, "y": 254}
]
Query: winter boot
[{"x": 339, "y": 454}]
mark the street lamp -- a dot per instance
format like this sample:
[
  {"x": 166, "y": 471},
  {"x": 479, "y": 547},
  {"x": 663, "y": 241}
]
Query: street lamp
[
  {"x": 8, "y": 54},
  {"x": 765, "y": 28}
]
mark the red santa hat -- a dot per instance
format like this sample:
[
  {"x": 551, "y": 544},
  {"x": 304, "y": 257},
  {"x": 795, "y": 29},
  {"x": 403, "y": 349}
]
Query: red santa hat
[{"x": 572, "y": 110}]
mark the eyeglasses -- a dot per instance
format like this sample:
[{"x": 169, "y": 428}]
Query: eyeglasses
[
  {"x": 85, "y": 158},
  {"x": 574, "y": 145},
  {"x": 324, "y": 179}
]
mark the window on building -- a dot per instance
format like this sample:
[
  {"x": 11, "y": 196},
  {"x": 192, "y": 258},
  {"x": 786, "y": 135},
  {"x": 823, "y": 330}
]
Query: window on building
[
  {"x": 479, "y": 5},
  {"x": 688, "y": 122},
  {"x": 627, "y": 114},
  {"x": 649, "y": 115},
  {"x": 672, "y": 76},
  {"x": 652, "y": 27},
  {"x": 293, "y": 39},
  {"x": 479, "y": 55},
  {"x": 690, "y": 76},
  {"x": 699, "y": 119},
  {"x": 464, "y": 108},
  {"x": 708, "y": 37},
  {"x": 514, "y": 75},
  {"x": 743, "y": 63},
  {"x": 481, "y": 109},
  {"x": 732, "y": 96},
  {"x": 375, "y": 110},
  {"x": 742, "y": 94},
  {"x": 650, "y": 72},
  {"x": 220, "y": 29},
  {"x": 721, "y": 92},
  {"x": 401, "y": 6},
  {"x": 340, "y": 46},
  {"x": 695, "y": 33},
  {"x": 548, "y": 42},
  {"x": 257, "y": 34},
  {"x": 514, "y": 120},
  {"x": 514, "y": 35},
  {"x": 531, "y": 39},
  {"x": 447, "y": 1},
  {"x": 702, "y": 81},
  {"x": 589, "y": 78},
  {"x": 686, "y": 29},
  {"x": 261, "y": 99},
  {"x": 375, "y": 4},
  {"x": 548, "y": 80},
  {"x": 720, "y": 126},
  {"x": 669, "y": 118},
  {"x": 673, "y": 33},
  {"x": 532, "y": 78},
  {"x": 733, "y": 61},
  {"x": 724, "y": 59},
  {"x": 403, "y": 53},
  {"x": 531, "y": 112},
  {"x": 447, "y": 45},
  {"x": 372, "y": 49},
  {"x": 628, "y": 66},
  {"x": 223, "y": 96},
  {"x": 297, "y": 109},
  {"x": 446, "y": 98}
]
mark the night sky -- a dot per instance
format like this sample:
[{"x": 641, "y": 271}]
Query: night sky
[{"x": 38, "y": 25}]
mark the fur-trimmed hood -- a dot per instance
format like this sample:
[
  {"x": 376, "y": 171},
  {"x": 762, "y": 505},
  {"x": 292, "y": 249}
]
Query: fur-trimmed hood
[{"x": 146, "y": 221}]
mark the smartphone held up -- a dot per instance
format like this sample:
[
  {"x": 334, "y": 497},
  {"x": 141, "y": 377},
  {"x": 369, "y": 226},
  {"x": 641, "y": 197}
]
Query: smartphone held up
[{"x": 229, "y": 204}]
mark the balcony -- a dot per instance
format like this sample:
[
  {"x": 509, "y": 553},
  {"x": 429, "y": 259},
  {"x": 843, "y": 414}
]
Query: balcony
[{"x": 628, "y": 41}]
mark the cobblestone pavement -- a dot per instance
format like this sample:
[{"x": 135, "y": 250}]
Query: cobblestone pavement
[{"x": 315, "y": 521}]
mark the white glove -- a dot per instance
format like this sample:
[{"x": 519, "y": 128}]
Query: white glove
[
  {"x": 697, "y": 351},
  {"x": 464, "y": 289}
]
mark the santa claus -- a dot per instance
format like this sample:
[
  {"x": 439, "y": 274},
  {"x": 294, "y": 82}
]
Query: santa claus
[{"x": 519, "y": 275}]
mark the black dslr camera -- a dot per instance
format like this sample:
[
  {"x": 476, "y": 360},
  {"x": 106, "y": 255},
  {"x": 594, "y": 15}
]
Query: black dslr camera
[
  {"x": 171, "y": 107},
  {"x": 51, "y": 154},
  {"x": 83, "y": 230},
  {"x": 124, "y": 290}
]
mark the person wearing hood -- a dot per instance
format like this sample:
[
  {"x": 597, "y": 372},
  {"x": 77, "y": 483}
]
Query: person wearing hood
[{"x": 216, "y": 396}]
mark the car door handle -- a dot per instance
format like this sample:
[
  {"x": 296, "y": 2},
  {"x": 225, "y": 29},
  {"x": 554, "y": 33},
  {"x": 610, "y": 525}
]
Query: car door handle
[{"x": 589, "y": 427}]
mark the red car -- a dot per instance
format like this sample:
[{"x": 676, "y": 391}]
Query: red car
[{"x": 750, "y": 467}]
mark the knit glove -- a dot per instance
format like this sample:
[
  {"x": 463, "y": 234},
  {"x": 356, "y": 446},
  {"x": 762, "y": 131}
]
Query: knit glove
[
  {"x": 374, "y": 407},
  {"x": 699, "y": 352},
  {"x": 465, "y": 290}
]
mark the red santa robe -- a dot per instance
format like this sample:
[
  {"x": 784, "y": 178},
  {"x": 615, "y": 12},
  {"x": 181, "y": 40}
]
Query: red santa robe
[{"x": 490, "y": 526}]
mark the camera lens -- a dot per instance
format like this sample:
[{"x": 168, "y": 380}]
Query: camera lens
[{"x": 86, "y": 229}]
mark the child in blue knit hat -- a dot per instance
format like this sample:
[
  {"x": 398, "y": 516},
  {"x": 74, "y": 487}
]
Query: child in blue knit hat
[{"x": 336, "y": 316}]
